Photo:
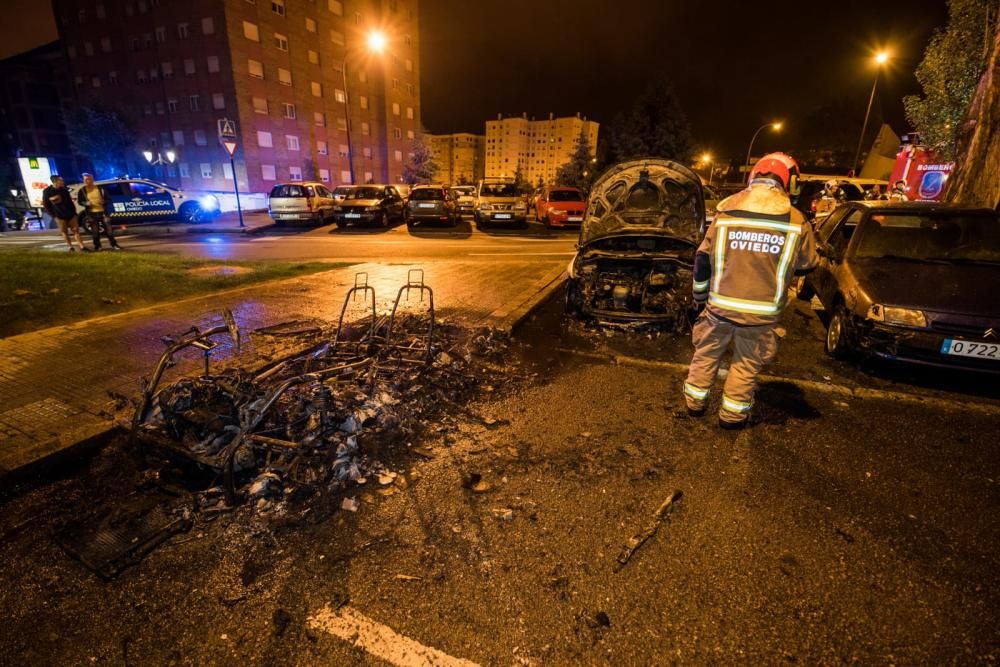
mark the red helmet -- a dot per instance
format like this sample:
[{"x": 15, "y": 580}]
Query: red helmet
[{"x": 781, "y": 165}]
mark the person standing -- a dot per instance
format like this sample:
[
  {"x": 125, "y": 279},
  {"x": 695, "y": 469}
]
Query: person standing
[
  {"x": 91, "y": 197},
  {"x": 58, "y": 202},
  {"x": 743, "y": 268},
  {"x": 898, "y": 191}
]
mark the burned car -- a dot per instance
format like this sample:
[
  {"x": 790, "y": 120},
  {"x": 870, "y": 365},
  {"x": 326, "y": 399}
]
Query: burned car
[{"x": 642, "y": 226}]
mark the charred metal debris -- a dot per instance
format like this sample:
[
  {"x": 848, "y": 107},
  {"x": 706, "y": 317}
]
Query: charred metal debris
[{"x": 318, "y": 419}]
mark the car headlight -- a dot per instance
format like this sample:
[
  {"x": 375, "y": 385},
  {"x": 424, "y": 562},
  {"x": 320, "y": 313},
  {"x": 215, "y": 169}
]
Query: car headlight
[
  {"x": 556, "y": 211},
  {"x": 520, "y": 206},
  {"x": 208, "y": 203},
  {"x": 899, "y": 316},
  {"x": 372, "y": 209}
]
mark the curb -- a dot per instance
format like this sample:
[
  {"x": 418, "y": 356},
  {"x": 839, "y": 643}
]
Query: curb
[
  {"x": 64, "y": 450},
  {"x": 229, "y": 230},
  {"x": 509, "y": 319}
]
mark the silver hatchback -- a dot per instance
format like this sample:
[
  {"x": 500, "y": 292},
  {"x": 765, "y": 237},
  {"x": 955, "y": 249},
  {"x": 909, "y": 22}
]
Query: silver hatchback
[{"x": 301, "y": 202}]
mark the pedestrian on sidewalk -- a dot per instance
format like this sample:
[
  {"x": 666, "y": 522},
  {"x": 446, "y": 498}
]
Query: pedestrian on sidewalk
[
  {"x": 744, "y": 266},
  {"x": 91, "y": 197},
  {"x": 58, "y": 202}
]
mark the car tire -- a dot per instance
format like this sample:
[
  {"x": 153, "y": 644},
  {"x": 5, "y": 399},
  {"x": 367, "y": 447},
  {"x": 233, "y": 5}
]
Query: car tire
[
  {"x": 837, "y": 343},
  {"x": 547, "y": 222},
  {"x": 189, "y": 212}
]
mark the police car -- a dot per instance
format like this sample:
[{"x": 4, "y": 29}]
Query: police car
[{"x": 139, "y": 200}]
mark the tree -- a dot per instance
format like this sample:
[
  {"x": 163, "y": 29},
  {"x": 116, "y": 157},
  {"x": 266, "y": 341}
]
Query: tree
[
  {"x": 952, "y": 66},
  {"x": 421, "y": 166},
  {"x": 103, "y": 135},
  {"x": 654, "y": 127},
  {"x": 520, "y": 181},
  {"x": 579, "y": 171}
]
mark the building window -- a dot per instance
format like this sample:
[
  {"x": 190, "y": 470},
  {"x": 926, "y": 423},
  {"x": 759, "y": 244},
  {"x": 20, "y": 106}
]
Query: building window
[
  {"x": 88, "y": 48},
  {"x": 319, "y": 118},
  {"x": 324, "y": 175},
  {"x": 363, "y": 76},
  {"x": 357, "y": 18},
  {"x": 194, "y": 103},
  {"x": 344, "y": 150},
  {"x": 395, "y": 84},
  {"x": 159, "y": 108},
  {"x": 317, "y": 89},
  {"x": 339, "y": 95},
  {"x": 218, "y": 101},
  {"x": 408, "y": 40},
  {"x": 409, "y": 134},
  {"x": 256, "y": 69},
  {"x": 250, "y": 31},
  {"x": 147, "y": 40},
  {"x": 284, "y": 77},
  {"x": 71, "y": 50},
  {"x": 167, "y": 69},
  {"x": 112, "y": 78},
  {"x": 409, "y": 65},
  {"x": 260, "y": 105},
  {"x": 395, "y": 108},
  {"x": 342, "y": 124},
  {"x": 313, "y": 57},
  {"x": 264, "y": 139},
  {"x": 213, "y": 64},
  {"x": 99, "y": 10},
  {"x": 345, "y": 177},
  {"x": 178, "y": 134},
  {"x": 267, "y": 172},
  {"x": 369, "y": 177},
  {"x": 409, "y": 112},
  {"x": 172, "y": 105},
  {"x": 295, "y": 173},
  {"x": 337, "y": 7},
  {"x": 337, "y": 37},
  {"x": 398, "y": 155},
  {"x": 227, "y": 171},
  {"x": 133, "y": 45},
  {"x": 140, "y": 76},
  {"x": 278, "y": 7},
  {"x": 397, "y": 133},
  {"x": 366, "y": 129},
  {"x": 409, "y": 88},
  {"x": 199, "y": 138},
  {"x": 189, "y": 66},
  {"x": 310, "y": 25},
  {"x": 182, "y": 169},
  {"x": 106, "y": 44},
  {"x": 161, "y": 34},
  {"x": 321, "y": 148},
  {"x": 366, "y": 153},
  {"x": 289, "y": 110},
  {"x": 206, "y": 170},
  {"x": 280, "y": 41},
  {"x": 291, "y": 142},
  {"x": 363, "y": 101},
  {"x": 182, "y": 31},
  {"x": 96, "y": 82},
  {"x": 147, "y": 109},
  {"x": 207, "y": 26},
  {"x": 154, "y": 74}
]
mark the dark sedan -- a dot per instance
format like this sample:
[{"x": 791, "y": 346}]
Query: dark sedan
[
  {"x": 912, "y": 282},
  {"x": 372, "y": 204}
]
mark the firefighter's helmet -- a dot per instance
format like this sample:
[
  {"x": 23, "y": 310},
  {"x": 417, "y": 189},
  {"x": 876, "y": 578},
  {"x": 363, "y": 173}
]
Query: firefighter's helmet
[{"x": 781, "y": 165}]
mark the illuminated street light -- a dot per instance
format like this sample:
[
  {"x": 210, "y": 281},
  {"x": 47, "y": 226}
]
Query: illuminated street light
[
  {"x": 881, "y": 58},
  {"x": 706, "y": 159},
  {"x": 160, "y": 158},
  {"x": 376, "y": 41},
  {"x": 171, "y": 156},
  {"x": 775, "y": 126}
]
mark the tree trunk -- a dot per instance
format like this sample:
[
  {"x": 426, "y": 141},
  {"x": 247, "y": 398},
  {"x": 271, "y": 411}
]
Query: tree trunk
[{"x": 976, "y": 179}]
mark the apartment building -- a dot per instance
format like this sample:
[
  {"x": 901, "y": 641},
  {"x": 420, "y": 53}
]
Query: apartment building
[
  {"x": 295, "y": 75},
  {"x": 540, "y": 147},
  {"x": 460, "y": 157}
]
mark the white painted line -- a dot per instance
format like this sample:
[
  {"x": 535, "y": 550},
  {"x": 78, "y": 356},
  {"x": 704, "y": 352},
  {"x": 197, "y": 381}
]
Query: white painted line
[{"x": 380, "y": 640}]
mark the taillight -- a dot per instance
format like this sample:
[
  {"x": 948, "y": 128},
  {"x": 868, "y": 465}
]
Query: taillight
[{"x": 309, "y": 203}]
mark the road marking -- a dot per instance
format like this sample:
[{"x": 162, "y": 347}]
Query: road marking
[
  {"x": 380, "y": 640},
  {"x": 845, "y": 391}
]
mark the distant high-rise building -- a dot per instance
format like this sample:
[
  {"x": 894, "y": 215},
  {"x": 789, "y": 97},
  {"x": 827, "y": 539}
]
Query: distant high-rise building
[
  {"x": 459, "y": 157},
  {"x": 540, "y": 147},
  {"x": 276, "y": 67}
]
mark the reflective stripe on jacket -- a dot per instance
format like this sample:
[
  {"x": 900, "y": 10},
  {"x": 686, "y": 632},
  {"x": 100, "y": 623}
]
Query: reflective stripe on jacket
[{"x": 755, "y": 246}]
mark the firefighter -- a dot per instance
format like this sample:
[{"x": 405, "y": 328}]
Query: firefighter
[
  {"x": 753, "y": 249},
  {"x": 832, "y": 197},
  {"x": 898, "y": 192}
]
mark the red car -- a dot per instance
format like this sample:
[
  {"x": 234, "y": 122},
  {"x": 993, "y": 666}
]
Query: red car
[{"x": 560, "y": 207}]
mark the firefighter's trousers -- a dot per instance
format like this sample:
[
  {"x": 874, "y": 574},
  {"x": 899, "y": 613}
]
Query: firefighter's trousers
[{"x": 753, "y": 348}]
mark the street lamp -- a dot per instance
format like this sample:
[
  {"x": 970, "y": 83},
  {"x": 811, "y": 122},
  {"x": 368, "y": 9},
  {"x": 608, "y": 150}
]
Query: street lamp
[
  {"x": 376, "y": 43},
  {"x": 160, "y": 158},
  {"x": 774, "y": 125},
  {"x": 706, "y": 159},
  {"x": 881, "y": 58}
]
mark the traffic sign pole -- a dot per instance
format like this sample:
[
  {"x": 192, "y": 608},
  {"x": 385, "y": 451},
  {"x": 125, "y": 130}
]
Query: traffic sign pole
[{"x": 230, "y": 146}]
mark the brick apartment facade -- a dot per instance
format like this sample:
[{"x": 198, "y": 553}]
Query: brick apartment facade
[
  {"x": 460, "y": 157},
  {"x": 175, "y": 67},
  {"x": 540, "y": 147}
]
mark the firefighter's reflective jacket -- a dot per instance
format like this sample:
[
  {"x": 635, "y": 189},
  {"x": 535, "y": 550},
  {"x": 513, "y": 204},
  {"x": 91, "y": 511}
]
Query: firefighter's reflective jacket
[{"x": 750, "y": 254}]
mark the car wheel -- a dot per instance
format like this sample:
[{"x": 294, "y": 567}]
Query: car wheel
[
  {"x": 189, "y": 212},
  {"x": 803, "y": 290},
  {"x": 838, "y": 344},
  {"x": 547, "y": 222}
]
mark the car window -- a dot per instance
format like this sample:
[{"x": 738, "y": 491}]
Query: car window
[
  {"x": 427, "y": 194},
  {"x": 498, "y": 190},
  {"x": 832, "y": 221},
  {"x": 141, "y": 189},
  {"x": 364, "y": 193},
  {"x": 842, "y": 234},
  {"x": 939, "y": 236},
  {"x": 116, "y": 190},
  {"x": 565, "y": 195}
]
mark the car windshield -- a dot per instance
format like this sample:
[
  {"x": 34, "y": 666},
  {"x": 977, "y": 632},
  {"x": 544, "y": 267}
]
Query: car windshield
[
  {"x": 288, "y": 191},
  {"x": 343, "y": 190},
  {"x": 565, "y": 195},
  {"x": 956, "y": 237},
  {"x": 498, "y": 190},
  {"x": 427, "y": 194},
  {"x": 365, "y": 193}
]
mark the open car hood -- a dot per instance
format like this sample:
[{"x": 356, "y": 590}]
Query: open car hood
[{"x": 651, "y": 197}]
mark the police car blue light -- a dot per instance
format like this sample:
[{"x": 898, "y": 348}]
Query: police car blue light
[
  {"x": 141, "y": 200},
  {"x": 208, "y": 203}
]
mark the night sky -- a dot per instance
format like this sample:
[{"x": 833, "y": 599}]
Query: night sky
[{"x": 735, "y": 63}]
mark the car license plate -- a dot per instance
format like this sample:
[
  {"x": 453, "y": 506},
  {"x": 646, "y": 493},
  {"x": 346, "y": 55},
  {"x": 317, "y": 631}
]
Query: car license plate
[
  {"x": 575, "y": 218},
  {"x": 502, "y": 216},
  {"x": 967, "y": 348},
  {"x": 425, "y": 205},
  {"x": 352, "y": 215}
]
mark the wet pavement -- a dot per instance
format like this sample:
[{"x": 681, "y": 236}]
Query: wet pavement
[{"x": 836, "y": 530}]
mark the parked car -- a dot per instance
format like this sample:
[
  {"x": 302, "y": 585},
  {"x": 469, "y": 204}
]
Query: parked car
[
  {"x": 465, "y": 197},
  {"x": 498, "y": 200},
  {"x": 560, "y": 207},
  {"x": 907, "y": 281},
  {"x": 431, "y": 203},
  {"x": 341, "y": 191},
  {"x": 300, "y": 202},
  {"x": 638, "y": 239},
  {"x": 378, "y": 204},
  {"x": 134, "y": 200}
]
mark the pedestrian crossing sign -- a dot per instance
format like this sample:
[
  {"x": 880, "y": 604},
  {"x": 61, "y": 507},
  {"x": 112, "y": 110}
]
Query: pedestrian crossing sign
[{"x": 227, "y": 128}]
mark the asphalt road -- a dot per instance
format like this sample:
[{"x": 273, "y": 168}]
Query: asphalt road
[
  {"x": 331, "y": 243},
  {"x": 838, "y": 529}
]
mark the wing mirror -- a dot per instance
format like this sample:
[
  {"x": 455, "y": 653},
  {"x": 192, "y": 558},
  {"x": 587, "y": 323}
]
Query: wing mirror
[{"x": 827, "y": 251}]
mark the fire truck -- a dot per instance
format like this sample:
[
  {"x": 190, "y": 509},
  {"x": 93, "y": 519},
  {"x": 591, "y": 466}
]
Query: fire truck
[{"x": 924, "y": 173}]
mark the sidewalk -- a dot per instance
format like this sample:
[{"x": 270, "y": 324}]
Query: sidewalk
[{"x": 54, "y": 383}]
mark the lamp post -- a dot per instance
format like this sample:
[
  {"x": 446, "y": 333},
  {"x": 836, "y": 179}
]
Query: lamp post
[
  {"x": 774, "y": 125},
  {"x": 157, "y": 159},
  {"x": 376, "y": 43},
  {"x": 706, "y": 160},
  {"x": 881, "y": 58}
]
